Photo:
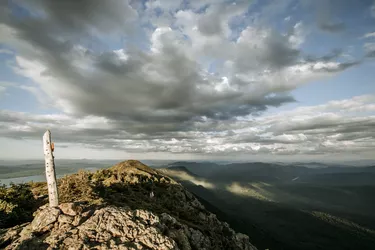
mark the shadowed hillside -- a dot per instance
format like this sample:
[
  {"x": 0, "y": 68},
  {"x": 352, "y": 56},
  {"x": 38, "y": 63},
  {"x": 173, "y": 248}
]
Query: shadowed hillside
[{"x": 289, "y": 207}]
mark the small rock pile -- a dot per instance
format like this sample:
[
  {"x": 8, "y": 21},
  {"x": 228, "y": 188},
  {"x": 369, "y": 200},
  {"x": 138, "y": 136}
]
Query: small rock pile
[{"x": 76, "y": 226}]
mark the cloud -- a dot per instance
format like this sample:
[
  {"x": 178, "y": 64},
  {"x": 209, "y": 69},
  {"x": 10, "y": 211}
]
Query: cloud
[
  {"x": 4, "y": 86},
  {"x": 87, "y": 16},
  {"x": 332, "y": 27},
  {"x": 191, "y": 92},
  {"x": 7, "y": 84},
  {"x": 369, "y": 35},
  {"x": 2, "y": 90},
  {"x": 369, "y": 49},
  {"x": 6, "y": 51},
  {"x": 324, "y": 12},
  {"x": 183, "y": 81},
  {"x": 371, "y": 54},
  {"x": 324, "y": 17},
  {"x": 335, "y": 127},
  {"x": 217, "y": 16}
]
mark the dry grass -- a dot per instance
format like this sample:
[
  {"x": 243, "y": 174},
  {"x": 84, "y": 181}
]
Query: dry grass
[{"x": 77, "y": 187}]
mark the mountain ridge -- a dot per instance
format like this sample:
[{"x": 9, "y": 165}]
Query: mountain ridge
[{"x": 98, "y": 210}]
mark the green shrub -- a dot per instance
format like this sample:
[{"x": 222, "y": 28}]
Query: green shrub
[{"x": 17, "y": 204}]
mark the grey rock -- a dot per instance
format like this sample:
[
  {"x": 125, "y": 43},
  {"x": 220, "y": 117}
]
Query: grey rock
[
  {"x": 65, "y": 219},
  {"x": 44, "y": 219},
  {"x": 118, "y": 228},
  {"x": 71, "y": 209}
]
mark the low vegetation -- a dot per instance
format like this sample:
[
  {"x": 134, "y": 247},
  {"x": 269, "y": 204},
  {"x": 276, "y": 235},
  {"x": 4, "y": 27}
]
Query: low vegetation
[
  {"x": 17, "y": 204},
  {"x": 126, "y": 184}
]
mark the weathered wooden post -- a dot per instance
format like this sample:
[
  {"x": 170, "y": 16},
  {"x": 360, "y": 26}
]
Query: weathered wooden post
[{"x": 48, "y": 147}]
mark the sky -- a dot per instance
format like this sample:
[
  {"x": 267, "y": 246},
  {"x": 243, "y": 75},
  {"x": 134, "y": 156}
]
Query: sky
[{"x": 188, "y": 79}]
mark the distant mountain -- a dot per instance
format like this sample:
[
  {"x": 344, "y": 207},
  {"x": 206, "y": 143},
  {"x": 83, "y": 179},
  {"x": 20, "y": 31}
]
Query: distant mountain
[
  {"x": 202, "y": 169},
  {"x": 276, "y": 173},
  {"x": 343, "y": 179},
  {"x": 347, "y": 169}
]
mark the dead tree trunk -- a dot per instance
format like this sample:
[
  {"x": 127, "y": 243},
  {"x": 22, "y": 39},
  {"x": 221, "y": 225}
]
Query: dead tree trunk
[{"x": 48, "y": 147}]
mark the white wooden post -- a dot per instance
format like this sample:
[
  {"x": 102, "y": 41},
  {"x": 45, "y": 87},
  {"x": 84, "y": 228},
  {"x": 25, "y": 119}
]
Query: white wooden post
[{"x": 48, "y": 147}]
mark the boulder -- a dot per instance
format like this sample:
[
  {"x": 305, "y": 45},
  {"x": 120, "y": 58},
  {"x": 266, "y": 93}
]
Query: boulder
[
  {"x": 44, "y": 219},
  {"x": 71, "y": 209}
]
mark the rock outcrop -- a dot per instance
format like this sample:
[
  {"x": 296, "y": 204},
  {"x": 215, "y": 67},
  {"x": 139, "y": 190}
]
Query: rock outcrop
[{"x": 123, "y": 223}]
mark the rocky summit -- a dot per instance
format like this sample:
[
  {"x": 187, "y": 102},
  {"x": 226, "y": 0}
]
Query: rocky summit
[{"x": 127, "y": 206}]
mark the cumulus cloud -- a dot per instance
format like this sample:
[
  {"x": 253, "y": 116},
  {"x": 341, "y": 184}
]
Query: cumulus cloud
[{"x": 183, "y": 80}]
